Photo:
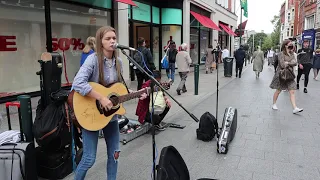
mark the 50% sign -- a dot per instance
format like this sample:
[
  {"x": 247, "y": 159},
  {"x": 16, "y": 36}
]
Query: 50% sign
[{"x": 65, "y": 44}]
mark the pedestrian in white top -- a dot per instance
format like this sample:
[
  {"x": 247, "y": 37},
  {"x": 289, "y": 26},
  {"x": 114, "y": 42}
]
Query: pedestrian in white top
[
  {"x": 270, "y": 56},
  {"x": 225, "y": 53}
]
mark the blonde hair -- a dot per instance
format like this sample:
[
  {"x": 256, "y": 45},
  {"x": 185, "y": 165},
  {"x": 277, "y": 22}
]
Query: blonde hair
[
  {"x": 99, "y": 52},
  {"x": 90, "y": 44}
]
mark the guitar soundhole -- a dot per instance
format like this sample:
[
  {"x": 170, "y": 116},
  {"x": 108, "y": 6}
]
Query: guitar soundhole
[{"x": 114, "y": 99}]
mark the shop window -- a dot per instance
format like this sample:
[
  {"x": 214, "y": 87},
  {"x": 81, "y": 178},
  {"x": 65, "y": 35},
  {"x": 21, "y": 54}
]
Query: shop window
[
  {"x": 204, "y": 42},
  {"x": 171, "y": 33},
  {"x": 194, "y": 44},
  {"x": 22, "y": 40},
  {"x": 155, "y": 52},
  {"x": 71, "y": 25}
]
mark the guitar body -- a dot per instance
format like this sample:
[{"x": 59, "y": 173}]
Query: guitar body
[{"x": 88, "y": 111}]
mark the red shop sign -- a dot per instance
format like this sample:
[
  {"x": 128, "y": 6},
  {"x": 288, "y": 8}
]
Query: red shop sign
[
  {"x": 7, "y": 43},
  {"x": 64, "y": 44}
]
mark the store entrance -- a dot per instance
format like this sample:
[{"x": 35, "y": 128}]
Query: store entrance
[{"x": 141, "y": 30}]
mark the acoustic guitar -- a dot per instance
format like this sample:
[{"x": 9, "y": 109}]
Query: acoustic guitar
[{"x": 91, "y": 115}]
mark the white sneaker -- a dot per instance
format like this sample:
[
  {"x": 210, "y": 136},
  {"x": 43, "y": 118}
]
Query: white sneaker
[
  {"x": 274, "y": 107},
  {"x": 297, "y": 110}
]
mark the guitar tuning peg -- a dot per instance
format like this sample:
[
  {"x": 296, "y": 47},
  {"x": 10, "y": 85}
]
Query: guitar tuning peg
[
  {"x": 131, "y": 64},
  {"x": 134, "y": 67}
]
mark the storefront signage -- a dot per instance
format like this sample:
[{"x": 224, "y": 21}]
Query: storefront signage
[
  {"x": 171, "y": 16},
  {"x": 65, "y": 44},
  {"x": 8, "y": 43},
  {"x": 142, "y": 12}
]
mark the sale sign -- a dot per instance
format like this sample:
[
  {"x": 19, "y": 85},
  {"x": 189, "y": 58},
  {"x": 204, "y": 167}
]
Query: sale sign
[
  {"x": 7, "y": 43},
  {"x": 65, "y": 44}
]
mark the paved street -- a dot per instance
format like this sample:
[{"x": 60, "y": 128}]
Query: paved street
[{"x": 268, "y": 144}]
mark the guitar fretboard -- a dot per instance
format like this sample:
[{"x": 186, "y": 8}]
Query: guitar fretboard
[{"x": 130, "y": 96}]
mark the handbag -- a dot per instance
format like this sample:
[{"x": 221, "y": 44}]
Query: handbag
[{"x": 286, "y": 75}]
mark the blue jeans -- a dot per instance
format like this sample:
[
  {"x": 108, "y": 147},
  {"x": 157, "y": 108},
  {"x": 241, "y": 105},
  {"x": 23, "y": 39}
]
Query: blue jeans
[
  {"x": 172, "y": 68},
  {"x": 90, "y": 142}
]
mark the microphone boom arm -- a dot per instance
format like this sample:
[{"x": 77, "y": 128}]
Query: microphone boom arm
[{"x": 158, "y": 84}]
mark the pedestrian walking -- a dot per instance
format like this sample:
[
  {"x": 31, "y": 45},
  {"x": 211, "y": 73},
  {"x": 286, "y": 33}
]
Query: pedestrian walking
[
  {"x": 305, "y": 60},
  {"x": 286, "y": 62},
  {"x": 316, "y": 64},
  {"x": 240, "y": 56},
  {"x": 209, "y": 59},
  {"x": 183, "y": 60},
  {"x": 258, "y": 60},
  {"x": 270, "y": 56}
]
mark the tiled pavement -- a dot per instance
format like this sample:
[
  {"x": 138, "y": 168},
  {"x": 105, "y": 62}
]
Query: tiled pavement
[{"x": 268, "y": 144}]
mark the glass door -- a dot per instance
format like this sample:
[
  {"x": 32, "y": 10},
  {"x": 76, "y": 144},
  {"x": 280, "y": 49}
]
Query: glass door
[{"x": 156, "y": 47}]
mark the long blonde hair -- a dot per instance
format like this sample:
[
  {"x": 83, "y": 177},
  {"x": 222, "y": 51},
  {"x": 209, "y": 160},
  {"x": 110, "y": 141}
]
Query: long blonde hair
[
  {"x": 99, "y": 52},
  {"x": 90, "y": 44}
]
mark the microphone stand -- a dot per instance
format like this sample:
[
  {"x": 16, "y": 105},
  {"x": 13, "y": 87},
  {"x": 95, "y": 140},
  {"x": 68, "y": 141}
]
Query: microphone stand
[{"x": 155, "y": 82}]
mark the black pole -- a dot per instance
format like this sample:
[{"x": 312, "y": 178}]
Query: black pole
[
  {"x": 153, "y": 133},
  {"x": 217, "y": 92},
  {"x": 240, "y": 26},
  {"x": 48, "y": 25}
]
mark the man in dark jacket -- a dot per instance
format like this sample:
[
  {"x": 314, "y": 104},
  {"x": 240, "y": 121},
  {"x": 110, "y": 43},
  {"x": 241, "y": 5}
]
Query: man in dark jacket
[
  {"x": 240, "y": 56},
  {"x": 147, "y": 56}
]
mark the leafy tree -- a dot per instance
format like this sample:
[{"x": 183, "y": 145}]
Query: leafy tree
[
  {"x": 257, "y": 38},
  {"x": 275, "y": 35},
  {"x": 267, "y": 43}
]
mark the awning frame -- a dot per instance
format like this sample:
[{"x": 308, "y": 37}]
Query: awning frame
[{"x": 205, "y": 21}]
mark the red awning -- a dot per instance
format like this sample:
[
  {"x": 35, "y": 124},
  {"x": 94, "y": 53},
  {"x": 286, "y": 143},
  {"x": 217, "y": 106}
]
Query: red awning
[
  {"x": 130, "y": 2},
  {"x": 205, "y": 21},
  {"x": 228, "y": 30}
]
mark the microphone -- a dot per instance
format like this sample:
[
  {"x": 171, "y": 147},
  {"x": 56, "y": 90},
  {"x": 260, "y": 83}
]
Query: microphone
[{"x": 118, "y": 46}]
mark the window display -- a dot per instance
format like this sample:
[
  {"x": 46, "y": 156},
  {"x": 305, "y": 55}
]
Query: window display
[{"x": 23, "y": 40}]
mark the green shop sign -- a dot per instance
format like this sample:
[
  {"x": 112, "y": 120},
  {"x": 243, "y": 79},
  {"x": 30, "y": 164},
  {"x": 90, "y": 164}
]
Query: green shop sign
[
  {"x": 97, "y": 3},
  {"x": 142, "y": 12}
]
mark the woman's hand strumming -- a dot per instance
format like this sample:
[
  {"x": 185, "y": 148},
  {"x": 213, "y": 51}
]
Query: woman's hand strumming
[{"x": 106, "y": 103}]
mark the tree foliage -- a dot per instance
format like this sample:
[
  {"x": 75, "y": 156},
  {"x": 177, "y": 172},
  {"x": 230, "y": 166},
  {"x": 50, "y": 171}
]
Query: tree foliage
[
  {"x": 267, "y": 43},
  {"x": 275, "y": 35},
  {"x": 257, "y": 38}
]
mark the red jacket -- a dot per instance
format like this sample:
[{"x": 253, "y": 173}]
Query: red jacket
[{"x": 143, "y": 105}]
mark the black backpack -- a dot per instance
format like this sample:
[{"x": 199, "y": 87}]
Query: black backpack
[{"x": 208, "y": 127}]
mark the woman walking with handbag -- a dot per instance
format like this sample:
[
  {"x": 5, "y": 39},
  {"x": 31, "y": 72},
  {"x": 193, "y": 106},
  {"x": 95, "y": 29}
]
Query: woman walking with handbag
[{"x": 284, "y": 76}]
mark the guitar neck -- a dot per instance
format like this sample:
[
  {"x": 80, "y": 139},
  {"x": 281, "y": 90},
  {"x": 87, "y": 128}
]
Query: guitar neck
[{"x": 130, "y": 96}]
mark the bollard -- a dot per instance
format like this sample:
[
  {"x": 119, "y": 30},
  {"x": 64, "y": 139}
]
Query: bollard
[
  {"x": 196, "y": 78},
  {"x": 26, "y": 116}
]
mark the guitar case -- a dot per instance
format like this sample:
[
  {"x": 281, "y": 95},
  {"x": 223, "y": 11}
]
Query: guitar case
[{"x": 227, "y": 130}]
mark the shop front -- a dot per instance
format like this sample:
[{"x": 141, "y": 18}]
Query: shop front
[
  {"x": 158, "y": 23},
  {"x": 29, "y": 28}
]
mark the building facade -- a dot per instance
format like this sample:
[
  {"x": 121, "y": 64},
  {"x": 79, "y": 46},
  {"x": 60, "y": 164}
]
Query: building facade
[
  {"x": 287, "y": 18},
  {"x": 32, "y": 27}
]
